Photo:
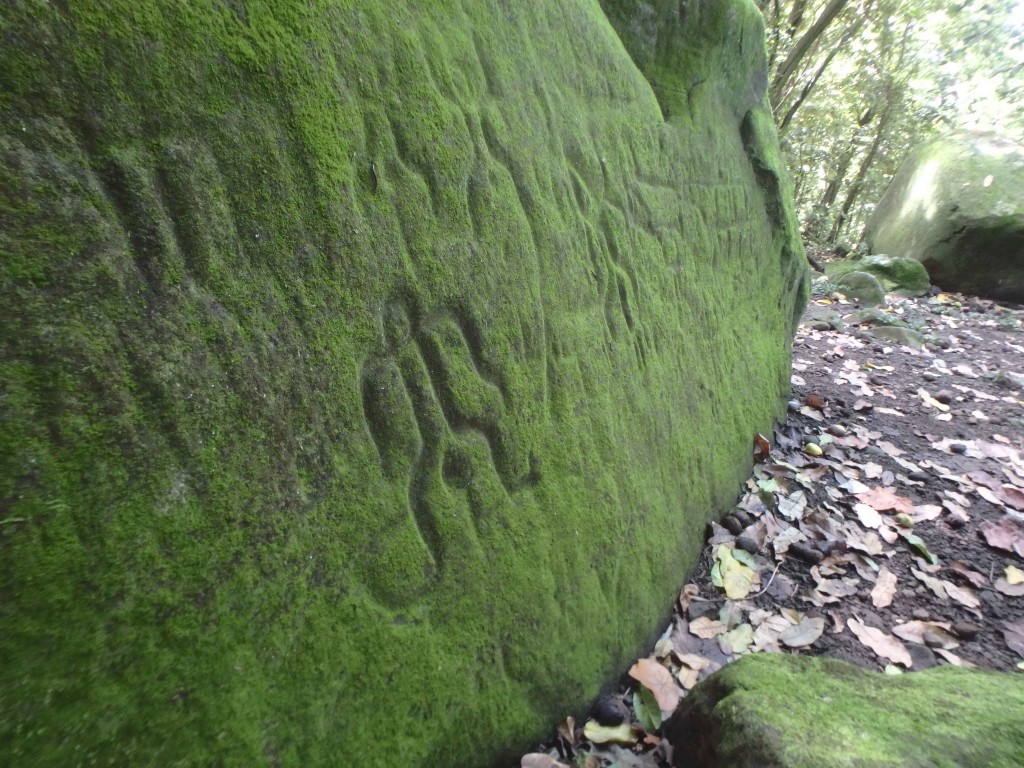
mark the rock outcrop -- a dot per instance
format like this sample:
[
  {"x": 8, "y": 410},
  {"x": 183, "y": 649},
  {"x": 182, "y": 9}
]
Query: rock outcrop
[
  {"x": 957, "y": 206},
  {"x": 780, "y": 711},
  {"x": 896, "y": 274},
  {"x": 368, "y": 375}
]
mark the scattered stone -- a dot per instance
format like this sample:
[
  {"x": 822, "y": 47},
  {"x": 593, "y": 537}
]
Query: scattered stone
[
  {"x": 965, "y": 630},
  {"x": 700, "y": 608},
  {"x": 930, "y": 376},
  {"x": 862, "y": 287},
  {"x": 958, "y": 447},
  {"x": 944, "y": 396},
  {"x": 919, "y": 476},
  {"x": 821, "y": 325},
  {"x": 922, "y": 656},
  {"x": 920, "y": 614}
]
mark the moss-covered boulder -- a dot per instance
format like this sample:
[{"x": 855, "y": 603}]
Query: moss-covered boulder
[
  {"x": 897, "y": 274},
  {"x": 781, "y": 711},
  {"x": 368, "y": 371},
  {"x": 862, "y": 287},
  {"x": 957, "y": 206}
]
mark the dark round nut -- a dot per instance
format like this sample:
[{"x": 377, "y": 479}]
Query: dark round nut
[
  {"x": 744, "y": 518},
  {"x": 732, "y": 525},
  {"x": 958, "y": 448},
  {"x": 806, "y": 552},
  {"x": 747, "y": 544},
  {"x": 609, "y": 710}
]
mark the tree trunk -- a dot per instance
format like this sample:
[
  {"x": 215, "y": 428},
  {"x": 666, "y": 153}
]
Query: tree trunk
[
  {"x": 790, "y": 66},
  {"x": 858, "y": 181}
]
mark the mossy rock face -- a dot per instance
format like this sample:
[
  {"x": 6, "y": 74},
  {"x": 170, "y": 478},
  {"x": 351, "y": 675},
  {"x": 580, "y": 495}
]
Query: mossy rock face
[
  {"x": 368, "y": 374},
  {"x": 861, "y": 286},
  {"x": 957, "y": 206},
  {"x": 897, "y": 274},
  {"x": 781, "y": 711}
]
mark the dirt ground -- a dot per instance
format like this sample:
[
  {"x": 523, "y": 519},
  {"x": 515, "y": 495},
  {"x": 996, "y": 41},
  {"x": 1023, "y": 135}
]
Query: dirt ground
[{"x": 883, "y": 523}]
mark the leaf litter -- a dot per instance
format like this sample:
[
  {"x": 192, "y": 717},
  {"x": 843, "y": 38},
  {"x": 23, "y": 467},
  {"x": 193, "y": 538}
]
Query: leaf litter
[{"x": 902, "y": 530}]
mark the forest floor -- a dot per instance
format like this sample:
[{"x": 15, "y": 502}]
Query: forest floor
[{"x": 883, "y": 523}]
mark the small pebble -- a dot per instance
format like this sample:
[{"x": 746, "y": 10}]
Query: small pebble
[
  {"x": 930, "y": 376},
  {"x": 921, "y": 477},
  {"x": 837, "y": 429},
  {"x": 821, "y": 326},
  {"x": 944, "y": 396},
  {"x": 965, "y": 630},
  {"x": 920, "y": 614},
  {"x": 933, "y": 639},
  {"x": 793, "y": 405},
  {"x": 958, "y": 447},
  {"x": 921, "y": 656}
]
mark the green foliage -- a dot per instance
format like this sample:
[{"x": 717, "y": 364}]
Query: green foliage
[{"x": 885, "y": 76}]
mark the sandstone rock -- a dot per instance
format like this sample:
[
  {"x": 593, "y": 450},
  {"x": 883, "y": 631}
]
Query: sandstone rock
[
  {"x": 368, "y": 375},
  {"x": 957, "y": 206},
  {"x": 862, "y": 287},
  {"x": 779, "y": 711},
  {"x": 896, "y": 274}
]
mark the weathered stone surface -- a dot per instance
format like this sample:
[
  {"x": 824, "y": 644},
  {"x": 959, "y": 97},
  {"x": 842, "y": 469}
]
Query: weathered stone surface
[
  {"x": 862, "y": 287},
  {"x": 367, "y": 376},
  {"x": 957, "y": 206},
  {"x": 779, "y": 711},
  {"x": 897, "y": 274},
  {"x": 905, "y": 336}
]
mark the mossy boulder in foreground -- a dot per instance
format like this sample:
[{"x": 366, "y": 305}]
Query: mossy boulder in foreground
[
  {"x": 780, "y": 711},
  {"x": 367, "y": 374},
  {"x": 957, "y": 206}
]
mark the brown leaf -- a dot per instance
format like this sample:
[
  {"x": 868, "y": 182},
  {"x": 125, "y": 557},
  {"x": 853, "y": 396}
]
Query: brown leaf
[
  {"x": 883, "y": 499},
  {"x": 762, "y": 448},
  {"x": 962, "y": 569},
  {"x": 658, "y": 680},
  {"x": 815, "y": 401},
  {"x": 938, "y": 586},
  {"x": 1011, "y": 590},
  {"x": 885, "y": 588},
  {"x": 1014, "y": 636},
  {"x": 963, "y": 595},
  {"x": 1005, "y": 535},
  {"x": 913, "y": 631},
  {"x": 886, "y": 646},
  {"x": 567, "y": 731},
  {"x": 540, "y": 760},
  {"x": 981, "y": 477},
  {"x": 1012, "y": 496}
]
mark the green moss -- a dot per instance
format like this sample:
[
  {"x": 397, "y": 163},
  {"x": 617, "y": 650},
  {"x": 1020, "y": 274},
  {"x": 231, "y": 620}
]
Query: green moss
[
  {"x": 747, "y": 715},
  {"x": 372, "y": 370}
]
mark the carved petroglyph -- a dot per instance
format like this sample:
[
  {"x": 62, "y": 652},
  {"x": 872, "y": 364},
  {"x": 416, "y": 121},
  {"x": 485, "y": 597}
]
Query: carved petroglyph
[{"x": 436, "y": 412}]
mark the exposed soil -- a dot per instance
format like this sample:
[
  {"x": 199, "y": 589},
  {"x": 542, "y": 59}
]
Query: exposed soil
[{"x": 920, "y": 478}]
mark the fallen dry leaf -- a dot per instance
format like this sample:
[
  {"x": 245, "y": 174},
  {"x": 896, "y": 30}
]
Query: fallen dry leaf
[
  {"x": 1008, "y": 589},
  {"x": 913, "y": 631},
  {"x": 886, "y": 646},
  {"x": 883, "y": 499},
  {"x": 1013, "y": 633},
  {"x": 658, "y": 680},
  {"x": 937, "y": 586},
  {"x": 804, "y": 633},
  {"x": 1005, "y": 535},
  {"x": 1012, "y": 496},
  {"x": 963, "y": 595},
  {"x": 961, "y": 568},
  {"x": 885, "y": 588}
]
